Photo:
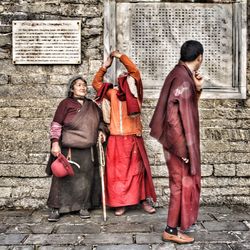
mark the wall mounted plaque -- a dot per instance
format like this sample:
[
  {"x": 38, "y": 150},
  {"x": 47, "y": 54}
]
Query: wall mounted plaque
[
  {"x": 46, "y": 42},
  {"x": 152, "y": 32}
]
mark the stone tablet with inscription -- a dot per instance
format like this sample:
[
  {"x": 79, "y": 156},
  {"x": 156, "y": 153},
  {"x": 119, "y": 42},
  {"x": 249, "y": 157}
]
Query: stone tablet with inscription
[
  {"x": 47, "y": 42},
  {"x": 152, "y": 32}
]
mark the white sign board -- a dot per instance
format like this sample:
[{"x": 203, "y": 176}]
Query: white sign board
[{"x": 46, "y": 42}]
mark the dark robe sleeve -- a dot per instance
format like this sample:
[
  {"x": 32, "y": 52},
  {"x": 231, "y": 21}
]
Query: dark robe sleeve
[
  {"x": 59, "y": 118},
  {"x": 188, "y": 108},
  {"x": 61, "y": 112}
]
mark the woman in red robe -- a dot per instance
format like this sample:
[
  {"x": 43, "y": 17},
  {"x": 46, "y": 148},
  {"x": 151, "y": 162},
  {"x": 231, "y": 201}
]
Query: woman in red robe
[{"x": 128, "y": 174}]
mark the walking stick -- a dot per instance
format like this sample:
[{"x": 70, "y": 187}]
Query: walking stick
[{"x": 102, "y": 171}]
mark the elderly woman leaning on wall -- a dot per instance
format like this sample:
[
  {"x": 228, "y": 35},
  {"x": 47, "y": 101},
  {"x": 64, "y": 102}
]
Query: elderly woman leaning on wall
[{"x": 74, "y": 131}]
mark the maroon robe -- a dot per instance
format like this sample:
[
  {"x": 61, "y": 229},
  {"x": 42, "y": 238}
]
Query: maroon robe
[
  {"x": 175, "y": 124},
  {"x": 81, "y": 191}
]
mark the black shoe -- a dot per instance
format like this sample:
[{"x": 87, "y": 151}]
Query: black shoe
[
  {"x": 84, "y": 214},
  {"x": 54, "y": 215}
]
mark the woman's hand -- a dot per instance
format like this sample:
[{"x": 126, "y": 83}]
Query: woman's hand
[
  {"x": 108, "y": 62},
  {"x": 55, "y": 149},
  {"x": 116, "y": 54},
  {"x": 102, "y": 136}
]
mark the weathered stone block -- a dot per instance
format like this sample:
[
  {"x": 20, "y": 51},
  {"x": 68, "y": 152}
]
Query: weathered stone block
[
  {"x": 11, "y": 239},
  {"x": 80, "y": 10},
  {"x": 9, "y": 112},
  {"x": 4, "y": 53},
  {"x": 12, "y": 157},
  {"x": 22, "y": 170},
  {"x": 217, "y": 237},
  {"x": 5, "y": 39},
  {"x": 36, "y": 136},
  {"x": 221, "y": 182},
  {"x": 29, "y": 145},
  {"x": 225, "y": 123},
  {"x": 5, "y": 28},
  {"x": 42, "y": 228},
  {"x": 159, "y": 171},
  {"x": 108, "y": 238},
  {"x": 212, "y": 146},
  {"x": 227, "y": 157},
  {"x": 93, "y": 54},
  {"x": 94, "y": 21},
  {"x": 30, "y": 182},
  {"x": 224, "y": 170},
  {"x": 29, "y": 102},
  {"x": 41, "y": 7},
  {"x": 36, "y": 112},
  {"x": 224, "y": 226},
  {"x": 243, "y": 169},
  {"x": 54, "y": 239},
  {"x": 59, "y": 79},
  {"x": 166, "y": 191},
  {"x": 87, "y": 32},
  {"x": 37, "y": 158},
  {"x": 27, "y": 192},
  {"x": 167, "y": 245},
  {"x": 214, "y": 200},
  {"x": 28, "y": 203},
  {"x": 222, "y": 113},
  {"x": 225, "y": 191},
  {"x": 128, "y": 228},
  {"x": 1, "y": 8},
  {"x": 7, "y": 18},
  {"x": 4, "y": 203},
  {"x": 161, "y": 182},
  {"x": 4, "y": 79},
  {"x": 95, "y": 2},
  {"x": 240, "y": 246},
  {"x": 29, "y": 79},
  {"x": 124, "y": 247},
  {"x": 40, "y": 91},
  {"x": 95, "y": 65},
  {"x": 207, "y": 170},
  {"x": 70, "y": 70},
  {"x": 19, "y": 229},
  {"x": 95, "y": 43},
  {"x": 145, "y": 238},
  {"x": 88, "y": 228},
  {"x": 5, "y": 192},
  {"x": 25, "y": 124}
]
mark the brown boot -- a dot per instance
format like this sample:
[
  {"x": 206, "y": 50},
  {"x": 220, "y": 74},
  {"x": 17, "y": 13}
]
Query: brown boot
[{"x": 180, "y": 238}]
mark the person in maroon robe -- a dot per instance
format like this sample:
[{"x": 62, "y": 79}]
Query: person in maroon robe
[
  {"x": 73, "y": 133},
  {"x": 175, "y": 124}
]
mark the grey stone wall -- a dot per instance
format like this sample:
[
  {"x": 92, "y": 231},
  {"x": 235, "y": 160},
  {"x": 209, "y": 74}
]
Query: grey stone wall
[{"x": 29, "y": 95}]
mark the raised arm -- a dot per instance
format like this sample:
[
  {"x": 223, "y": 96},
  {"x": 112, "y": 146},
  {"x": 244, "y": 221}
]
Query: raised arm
[
  {"x": 130, "y": 66},
  {"x": 98, "y": 79}
]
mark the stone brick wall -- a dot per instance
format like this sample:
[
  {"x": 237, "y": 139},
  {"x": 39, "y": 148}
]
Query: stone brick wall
[{"x": 29, "y": 95}]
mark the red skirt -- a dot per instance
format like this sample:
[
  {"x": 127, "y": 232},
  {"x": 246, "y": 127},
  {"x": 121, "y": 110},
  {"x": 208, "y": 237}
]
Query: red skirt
[{"x": 128, "y": 179}]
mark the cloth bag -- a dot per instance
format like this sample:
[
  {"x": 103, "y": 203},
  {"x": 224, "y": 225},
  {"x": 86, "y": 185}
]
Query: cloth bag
[{"x": 61, "y": 167}]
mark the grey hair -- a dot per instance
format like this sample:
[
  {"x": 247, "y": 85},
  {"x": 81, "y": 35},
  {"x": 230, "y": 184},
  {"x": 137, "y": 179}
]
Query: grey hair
[{"x": 71, "y": 84}]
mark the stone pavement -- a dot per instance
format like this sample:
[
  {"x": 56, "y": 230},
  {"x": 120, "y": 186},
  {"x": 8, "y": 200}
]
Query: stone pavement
[{"x": 219, "y": 228}]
